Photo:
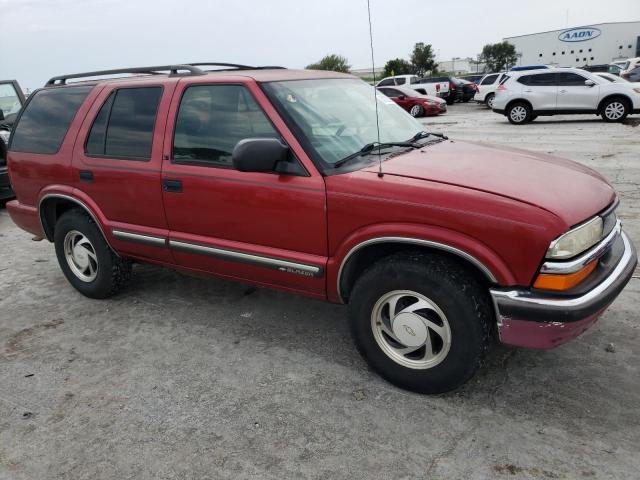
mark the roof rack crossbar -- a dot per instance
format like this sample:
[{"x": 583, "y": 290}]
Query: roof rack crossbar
[{"x": 173, "y": 70}]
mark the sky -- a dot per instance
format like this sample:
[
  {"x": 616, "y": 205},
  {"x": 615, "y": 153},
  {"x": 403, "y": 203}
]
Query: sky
[{"x": 44, "y": 38}]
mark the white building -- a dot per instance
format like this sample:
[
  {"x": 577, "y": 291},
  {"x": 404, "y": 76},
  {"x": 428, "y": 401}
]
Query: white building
[
  {"x": 460, "y": 66},
  {"x": 601, "y": 43}
]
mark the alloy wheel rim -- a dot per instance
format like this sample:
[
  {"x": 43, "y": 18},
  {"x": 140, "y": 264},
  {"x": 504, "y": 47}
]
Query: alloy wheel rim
[
  {"x": 411, "y": 329},
  {"x": 81, "y": 256},
  {"x": 614, "y": 111},
  {"x": 490, "y": 102},
  {"x": 415, "y": 111},
  {"x": 518, "y": 114}
]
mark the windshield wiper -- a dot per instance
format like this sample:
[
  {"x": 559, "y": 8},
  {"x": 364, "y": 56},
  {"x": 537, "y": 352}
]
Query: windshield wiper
[
  {"x": 370, "y": 147},
  {"x": 423, "y": 134}
]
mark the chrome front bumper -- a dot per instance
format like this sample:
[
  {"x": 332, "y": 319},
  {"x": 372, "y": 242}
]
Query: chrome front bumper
[{"x": 515, "y": 308}]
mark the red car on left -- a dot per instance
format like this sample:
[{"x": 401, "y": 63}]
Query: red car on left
[{"x": 415, "y": 103}]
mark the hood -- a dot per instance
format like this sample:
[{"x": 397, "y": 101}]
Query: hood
[{"x": 567, "y": 189}]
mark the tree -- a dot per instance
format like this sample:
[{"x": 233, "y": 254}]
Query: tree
[
  {"x": 499, "y": 56},
  {"x": 423, "y": 59},
  {"x": 335, "y": 63},
  {"x": 397, "y": 66}
]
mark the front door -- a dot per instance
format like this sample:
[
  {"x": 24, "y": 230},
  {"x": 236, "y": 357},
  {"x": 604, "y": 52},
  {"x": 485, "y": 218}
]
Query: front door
[
  {"x": 573, "y": 94},
  {"x": 266, "y": 228},
  {"x": 541, "y": 90}
]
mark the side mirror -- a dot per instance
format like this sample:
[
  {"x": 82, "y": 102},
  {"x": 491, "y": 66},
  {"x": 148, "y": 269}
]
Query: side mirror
[
  {"x": 259, "y": 154},
  {"x": 1, "y": 115},
  {"x": 589, "y": 83}
]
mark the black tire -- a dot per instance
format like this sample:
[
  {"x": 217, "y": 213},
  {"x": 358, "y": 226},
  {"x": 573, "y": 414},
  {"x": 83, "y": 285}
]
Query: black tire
[
  {"x": 466, "y": 99},
  {"x": 416, "y": 112},
  {"x": 451, "y": 100},
  {"x": 111, "y": 271},
  {"x": 519, "y": 113},
  {"x": 447, "y": 284},
  {"x": 489, "y": 100},
  {"x": 614, "y": 110}
]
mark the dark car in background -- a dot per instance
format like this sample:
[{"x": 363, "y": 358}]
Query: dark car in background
[
  {"x": 606, "y": 68},
  {"x": 473, "y": 78},
  {"x": 11, "y": 101},
  {"x": 469, "y": 89},
  {"x": 455, "y": 88}
]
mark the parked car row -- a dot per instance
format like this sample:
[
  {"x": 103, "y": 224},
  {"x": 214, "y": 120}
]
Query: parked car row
[
  {"x": 449, "y": 88},
  {"x": 417, "y": 104}
]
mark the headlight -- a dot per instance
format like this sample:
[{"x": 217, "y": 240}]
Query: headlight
[
  {"x": 4, "y": 136},
  {"x": 577, "y": 240}
]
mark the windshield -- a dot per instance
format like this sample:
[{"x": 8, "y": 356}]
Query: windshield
[
  {"x": 9, "y": 100},
  {"x": 337, "y": 117}
]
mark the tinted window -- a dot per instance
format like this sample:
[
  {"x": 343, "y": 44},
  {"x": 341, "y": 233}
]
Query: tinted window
[
  {"x": 388, "y": 81},
  {"x": 543, "y": 80},
  {"x": 133, "y": 116},
  {"x": 489, "y": 80},
  {"x": 98, "y": 133},
  {"x": 401, "y": 81},
  {"x": 570, "y": 79},
  {"x": 212, "y": 119},
  {"x": 392, "y": 92},
  {"x": 524, "y": 80},
  {"x": 504, "y": 79},
  {"x": 414, "y": 80},
  {"x": 46, "y": 119}
]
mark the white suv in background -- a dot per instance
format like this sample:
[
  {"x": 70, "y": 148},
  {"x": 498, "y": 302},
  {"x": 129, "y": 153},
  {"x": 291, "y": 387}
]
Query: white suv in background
[
  {"x": 522, "y": 96},
  {"x": 487, "y": 88},
  {"x": 437, "y": 89}
]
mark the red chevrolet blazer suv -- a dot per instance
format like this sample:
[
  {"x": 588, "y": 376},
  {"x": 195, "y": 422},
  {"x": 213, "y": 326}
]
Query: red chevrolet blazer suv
[{"x": 281, "y": 178}]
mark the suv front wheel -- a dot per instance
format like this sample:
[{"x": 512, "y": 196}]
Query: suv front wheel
[
  {"x": 614, "y": 110},
  {"x": 85, "y": 257},
  {"x": 421, "y": 321},
  {"x": 519, "y": 113}
]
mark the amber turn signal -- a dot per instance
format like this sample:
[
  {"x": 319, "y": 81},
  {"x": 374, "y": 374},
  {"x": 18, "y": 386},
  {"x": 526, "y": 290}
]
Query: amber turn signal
[{"x": 548, "y": 281}]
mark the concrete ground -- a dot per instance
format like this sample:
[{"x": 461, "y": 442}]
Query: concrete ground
[{"x": 190, "y": 378}]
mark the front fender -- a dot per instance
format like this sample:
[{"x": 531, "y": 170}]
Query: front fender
[{"x": 468, "y": 248}]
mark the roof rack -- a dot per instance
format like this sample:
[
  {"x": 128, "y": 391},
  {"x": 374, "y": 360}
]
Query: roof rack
[
  {"x": 192, "y": 69},
  {"x": 230, "y": 65}
]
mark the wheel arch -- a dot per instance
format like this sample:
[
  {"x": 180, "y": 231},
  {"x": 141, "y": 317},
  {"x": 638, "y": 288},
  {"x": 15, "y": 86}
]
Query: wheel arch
[
  {"x": 53, "y": 205},
  {"x": 517, "y": 100},
  {"x": 365, "y": 253},
  {"x": 611, "y": 96}
]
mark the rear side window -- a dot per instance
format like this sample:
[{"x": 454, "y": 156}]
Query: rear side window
[
  {"x": 489, "y": 80},
  {"x": 524, "y": 80},
  {"x": 124, "y": 126},
  {"x": 504, "y": 79},
  {"x": 212, "y": 119},
  {"x": 384, "y": 83},
  {"x": 401, "y": 81},
  {"x": 46, "y": 119},
  {"x": 543, "y": 80}
]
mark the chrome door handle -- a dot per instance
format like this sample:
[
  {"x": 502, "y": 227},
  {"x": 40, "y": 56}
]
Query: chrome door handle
[{"x": 563, "y": 91}]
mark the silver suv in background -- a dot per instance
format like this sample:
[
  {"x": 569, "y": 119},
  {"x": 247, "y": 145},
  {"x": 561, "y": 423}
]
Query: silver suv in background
[{"x": 522, "y": 96}]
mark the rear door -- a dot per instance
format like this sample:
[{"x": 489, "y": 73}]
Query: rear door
[
  {"x": 117, "y": 165},
  {"x": 540, "y": 89},
  {"x": 573, "y": 94},
  {"x": 266, "y": 228},
  {"x": 399, "y": 97}
]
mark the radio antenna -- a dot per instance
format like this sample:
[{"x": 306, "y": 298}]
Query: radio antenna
[{"x": 375, "y": 91}]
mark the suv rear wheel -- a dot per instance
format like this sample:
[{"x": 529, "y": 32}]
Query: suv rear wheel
[
  {"x": 421, "y": 321},
  {"x": 85, "y": 257},
  {"x": 614, "y": 110},
  {"x": 490, "y": 99},
  {"x": 519, "y": 113}
]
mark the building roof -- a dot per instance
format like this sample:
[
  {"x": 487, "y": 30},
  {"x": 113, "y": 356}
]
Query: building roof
[{"x": 571, "y": 28}]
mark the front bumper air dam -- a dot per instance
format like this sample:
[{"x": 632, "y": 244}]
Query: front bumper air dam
[{"x": 533, "y": 320}]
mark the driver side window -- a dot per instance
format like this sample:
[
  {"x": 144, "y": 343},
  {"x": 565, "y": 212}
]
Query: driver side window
[{"x": 212, "y": 119}]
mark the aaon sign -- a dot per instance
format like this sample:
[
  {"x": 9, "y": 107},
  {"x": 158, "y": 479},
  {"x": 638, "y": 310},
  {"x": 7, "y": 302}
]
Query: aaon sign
[{"x": 579, "y": 34}]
